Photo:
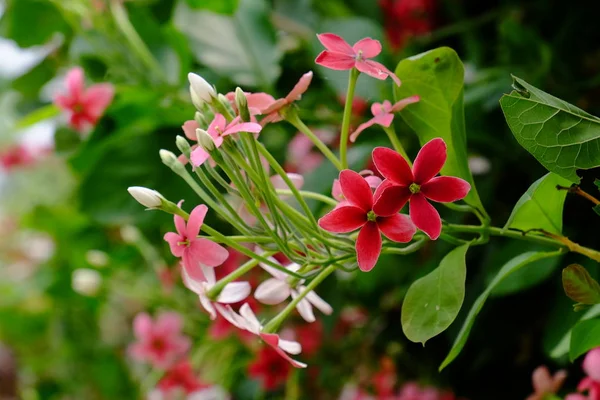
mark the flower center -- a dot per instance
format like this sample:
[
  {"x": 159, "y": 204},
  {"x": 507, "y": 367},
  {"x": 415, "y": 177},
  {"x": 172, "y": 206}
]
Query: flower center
[
  {"x": 359, "y": 55},
  {"x": 414, "y": 188},
  {"x": 185, "y": 242},
  {"x": 371, "y": 216}
]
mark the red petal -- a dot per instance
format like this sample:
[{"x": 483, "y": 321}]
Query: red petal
[
  {"x": 425, "y": 216},
  {"x": 446, "y": 189},
  {"x": 97, "y": 98},
  {"x": 335, "y": 43},
  {"x": 390, "y": 198},
  {"x": 430, "y": 160},
  {"x": 368, "y": 246},
  {"x": 398, "y": 227},
  {"x": 272, "y": 340},
  {"x": 369, "y": 47},
  {"x": 336, "y": 61},
  {"x": 392, "y": 166},
  {"x": 356, "y": 189},
  {"x": 343, "y": 219}
]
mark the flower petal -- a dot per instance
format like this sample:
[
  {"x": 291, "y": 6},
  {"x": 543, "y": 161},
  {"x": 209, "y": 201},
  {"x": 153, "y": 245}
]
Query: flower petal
[
  {"x": 208, "y": 306},
  {"x": 97, "y": 98},
  {"x": 199, "y": 156},
  {"x": 251, "y": 127},
  {"x": 191, "y": 264},
  {"x": 272, "y": 291},
  {"x": 368, "y": 68},
  {"x": 369, "y": 47},
  {"x": 383, "y": 68},
  {"x": 174, "y": 239},
  {"x": 343, "y": 219},
  {"x": 231, "y": 316},
  {"x": 304, "y": 309},
  {"x": 317, "y": 301},
  {"x": 250, "y": 321},
  {"x": 399, "y": 105},
  {"x": 142, "y": 325},
  {"x": 425, "y": 216},
  {"x": 392, "y": 166},
  {"x": 195, "y": 221},
  {"x": 368, "y": 246},
  {"x": 398, "y": 227},
  {"x": 390, "y": 198},
  {"x": 189, "y": 129},
  {"x": 290, "y": 346},
  {"x": 299, "y": 88},
  {"x": 356, "y": 189},
  {"x": 257, "y": 102},
  {"x": 446, "y": 189},
  {"x": 234, "y": 292},
  {"x": 75, "y": 83},
  {"x": 430, "y": 160},
  {"x": 335, "y": 43},
  {"x": 217, "y": 125},
  {"x": 208, "y": 253},
  {"x": 380, "y": 119},
  {"x": 195, "y": 285},
  {"x": 273, "y": 340},
  {"x": 168, "y": 324},
  {"x": 335, "y": 61},
  {"x": 179, "y": 222}
]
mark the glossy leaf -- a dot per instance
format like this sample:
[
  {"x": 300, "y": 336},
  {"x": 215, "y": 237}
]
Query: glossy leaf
[
  {"x": 562, "y": 347},
  {"x": 509, "y": 268},
  {"x": 433, "y": 301},
  {"x": 580, "y": 286},
  {"x": 437, "y": 77},
  {"x": 585, "y": 336},
  {"x": 241, "y": 47},
  {"x": 562, "y": 137},
  {"x": 541, "y": 206}
]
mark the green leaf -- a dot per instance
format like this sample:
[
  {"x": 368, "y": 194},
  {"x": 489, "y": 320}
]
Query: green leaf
[
  {"x": 433, "y": 301},
  {"x": 562, "y": 137},
  {"x": 585, "y": 336},
  {"x": 562, "y": 347},
  {"x": 597, "y": 183},
  {"x": 597, "y": 209},
  {"x": 437, "y": 77},
  {"x": 241, "y": 47},
  {"x": 580, "y": 286},
  {"x": 509, "y": 268},
  {"x": 218, "y": 6},
  {"x": 541, "y": 206}
]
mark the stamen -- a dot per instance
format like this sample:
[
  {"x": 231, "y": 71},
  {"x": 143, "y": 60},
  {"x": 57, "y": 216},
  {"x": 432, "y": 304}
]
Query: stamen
[{"x": 414, "y": 188}]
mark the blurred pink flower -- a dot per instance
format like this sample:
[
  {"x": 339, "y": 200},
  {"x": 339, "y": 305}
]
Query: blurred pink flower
[
  {"x": 544, "y": 383},
  {"x": 383, "y": 114},
  {"x": 16, "y": 156},
  {"x": 179, "y": 378},
  {"x": 412, "y": 391},
  {"x": 272, "y": 110},
  {"x": 195, "y": 252},
  {"x": 591, "y": 383},
  {"x": 272, "y": 370},
  {"x": 159, "y": 342},
  {"x": 84, "y": 106},
  {"x": 302, "y": 157}
]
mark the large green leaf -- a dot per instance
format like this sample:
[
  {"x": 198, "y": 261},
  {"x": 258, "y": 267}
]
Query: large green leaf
[
  {"x": 562, "y": 347},
  {"x": 433, "y": 301},
  {"x": 437, "y": 77},
  {"x": 585, "y": 336},
  {"x": 580, "y": 286},
  {"x": 509, "y": 268},
  {"x": 541, "y": 206},
  {"x": 562, "y": 137},
  {"x": 241, "y": 47}
]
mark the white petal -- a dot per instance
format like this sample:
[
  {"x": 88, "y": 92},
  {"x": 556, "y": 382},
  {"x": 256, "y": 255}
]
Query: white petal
[
  {"x": 294, "y": 267},
  {"x": 192, "y": 284},
  {"x": 252, "y": 323},
  {"x": 304, "y": 308},
  {"x": 290, "y": 346},
  {"x": 208, "y": 306},
  {"x": 234, "y": 292},
  {"x": 209, "y": 274},
  {"x": 318, "y": 302},
  {"x": 272, "y": 291},
  {"x": 230, "y": 315},
  {"x": 273, "y": 271}
]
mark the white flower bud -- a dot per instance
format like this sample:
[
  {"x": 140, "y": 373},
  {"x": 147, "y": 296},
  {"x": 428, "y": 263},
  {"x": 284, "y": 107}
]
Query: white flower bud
[
  {"x": 200, "y": 90},
  {"x": 183, "y": 145},
  {"x": 146, "y": 197},
  {"x": 97, "y": 258},
  {"x": 168, "y": 158},
  {"x": 86, "y": 281},
  {"x": 205, "y": 140}
]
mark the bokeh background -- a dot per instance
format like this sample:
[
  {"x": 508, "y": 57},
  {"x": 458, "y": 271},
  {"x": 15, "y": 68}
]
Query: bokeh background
[{"x": 79, "y": 257}]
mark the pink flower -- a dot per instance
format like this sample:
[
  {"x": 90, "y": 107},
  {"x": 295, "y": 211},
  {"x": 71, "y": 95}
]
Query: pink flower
[
  {"x": 302, "y": 157},
  {"x": 16, "y": 156},
  {"x": 272, "y": 111},
  {"x": 417, "y": 185},
  {"x": 218, "y": 129},
  {"x": 591, "y": 364},
  {"x": 591, "y": 383},
  {"x": 383, "y": 114},
  {"x": 412, "y": 391},
  {"x": 257, "y": 102},
  {"x": 341, "y": 56},
  {"x": 180, "y": 377},
  {"x": 270, "y": 368},
  {"x": 194, "y": 251},
  {"x": 160, "y": 343},
  {"x": 277, "y": 289},
  {"x": 84, "y": 106},
  {"x": 545, "y": 384},
  {"x": 361, "y": 211}
]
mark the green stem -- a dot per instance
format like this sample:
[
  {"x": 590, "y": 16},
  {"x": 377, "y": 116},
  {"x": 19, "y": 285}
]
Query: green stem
[
  {"x": 310, "y": 195},
  {"x": 494, "y": 231},
  {"x": 244, "y": 239},
  {"x": 218, "y": 287},
  {"x": 391, "y": 134},
  {"x": 411, "y": 248},
  {"x": 346, "y": 118},
  {"x": 273, "y": 325}
]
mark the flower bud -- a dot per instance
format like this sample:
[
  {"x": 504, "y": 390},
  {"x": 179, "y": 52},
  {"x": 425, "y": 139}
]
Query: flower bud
[
  {"x": 224, "y": 104},
  {"x": 97, "y": 258},
  {"x": 86, "y": 281},
  {"x": 168, "y": 158},
  {"x": 200, "y": 90},
  {"x": 200, "y": 120},
  {"x": 146, "y": 197},
  {"x": 183, "y": 146},
  {"x": 130, "y": 234},
  {"x": 205, "y": 140},
  {"x": 241, "y": 103}
]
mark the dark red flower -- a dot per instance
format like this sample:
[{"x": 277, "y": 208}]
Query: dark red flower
[
  {"x": 180, "y": 376},
  {"x": 270, "y": 368}
]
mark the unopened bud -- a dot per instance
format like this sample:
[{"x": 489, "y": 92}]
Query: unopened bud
[
  {"x": 200, "y": 120},
  {"x": 205, "y": 140},
  {"x": 241, "y": 103},
  {"x": 168, "y": 158},
  {"x": 86, "y": 281},
  {"x": 200, "y": 90},
  {"x": 146, "y": 197},
  {"x": 224, "y": 103},
  {"x": 183, "y": 146}
]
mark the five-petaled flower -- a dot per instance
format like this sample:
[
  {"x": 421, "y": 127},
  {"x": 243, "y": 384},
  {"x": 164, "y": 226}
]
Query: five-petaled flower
[
  {"x": 84, "y": 106},
  {"x": 383, "y": 114},
  {"x": 194, "y": 251},
  {"x": 365, "y": 211},
  {"x": 159, "y": 342},
  {"x": 417, "y": 185},
  {"x": 341, "y": 56}
]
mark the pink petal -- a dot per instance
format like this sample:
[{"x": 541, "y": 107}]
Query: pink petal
[
  {"x": 356, "y": 189},
  {"x": 142, "y": 326},
  {"x": 234, "y": 292},
  {"x": 208, "y": 253},
  {"x": 259, "y": 101},
  {"x": 195, "y": 285},
  {"x": 576, "y": 396},
  {"x": 174, "y": 239},
  {"x": 189, "y": 129},
  {"x": 425, "y": 216},
  {"x": 430, "y": 160},
  {"x": 335, "y": 43},
  {"x": 591, "y": 364},
  {"x": 390, "y": 198},
  {"x": 373, "y": 181},
  {"x": 368, "y": 246},
  {"x": 343, "y": 219},
  {"x": 446, "y": 189},
  {"x": 273, "y": 340},
  {"x": 369, "y": 47},
  {"x": 399, "y": 106},
  {"x": 274, "y": 107},
  {"x": 381, "y": 67},
  {"x": 168, "y": 324},
  {"x": 272, "y": 291},
  {"x": 398, "y": 227},
  {"x": 65, "y": 102},
  {"x": 217, "y": 126},
  {"x": 75, "y": 83},
  {"x": 335, "y": 61},
  {"x": 392, "y": 166},
  {"x": 380, "y": 119},
  {"x": 368, "y": 68},
  {"x": 199, "y": 156},
  {"x": 381, "y": 108},
  {"x": 251, "y": 127},
  {"x": 191, "y": 265},
  {"x": 97, "y": 98},
  {"x": 336, "y": 190},
  {"x": 195, "y": 221},
  {"x": 300, "y": 87},
  {"x": 179, "y": 222}
]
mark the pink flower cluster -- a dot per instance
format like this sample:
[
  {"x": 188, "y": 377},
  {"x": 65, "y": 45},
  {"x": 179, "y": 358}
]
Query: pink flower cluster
[{"x": 591, "y": 383}]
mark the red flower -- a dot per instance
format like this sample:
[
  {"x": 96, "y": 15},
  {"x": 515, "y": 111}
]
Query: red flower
[
  {"x": 15, "y": 156},
  {"x": 270, "y": 368},
  {"x": 368, "y": 215},
  {"x": 406, "y": 18},
  {"x": 417, "y": 185},
  {"x": 180, "y": 376},
  {"x": 341, "y": 56}
]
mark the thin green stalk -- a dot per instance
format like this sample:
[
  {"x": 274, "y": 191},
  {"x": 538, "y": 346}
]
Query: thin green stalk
[
  {"x": 411, "y": 248},
  {"x": 219, "y": 179},
  {"x": 310, "y": 195},
  {"x": 241, "y": 270},
  {"x": 245, "y": 239},
  {"x": 346, "y": 118},
  {"x": 494, "y": 231},
  {"x": 391, "y": 134}
]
